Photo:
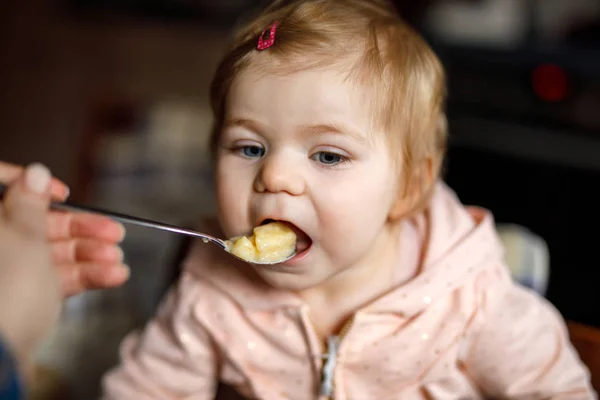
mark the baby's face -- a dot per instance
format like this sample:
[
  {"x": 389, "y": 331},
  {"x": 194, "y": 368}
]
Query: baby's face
[{"x": 301, "y": 148}]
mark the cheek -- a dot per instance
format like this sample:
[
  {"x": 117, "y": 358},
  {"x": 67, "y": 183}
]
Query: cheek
[
  {"x": 232, "y": 193},
  {"x": 355, "y": 209}
]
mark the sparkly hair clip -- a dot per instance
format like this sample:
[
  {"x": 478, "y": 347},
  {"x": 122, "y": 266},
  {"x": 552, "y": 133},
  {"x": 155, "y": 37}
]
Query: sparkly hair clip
[{"x": 267, "y": 37}]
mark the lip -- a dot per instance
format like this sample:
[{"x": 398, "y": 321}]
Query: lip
[
  {"x": 292, "y": 262},
  {"x": 290, "y": 266}
]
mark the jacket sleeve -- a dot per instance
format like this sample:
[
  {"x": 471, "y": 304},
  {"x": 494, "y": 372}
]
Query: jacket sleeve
[
  {"x": 173, "y": 357},
  {"x": 11, "y": 384},
  {"x": 522, "y": 349}
]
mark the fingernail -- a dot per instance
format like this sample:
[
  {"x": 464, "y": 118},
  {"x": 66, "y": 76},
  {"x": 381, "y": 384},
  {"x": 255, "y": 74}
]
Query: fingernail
[
  {"x": 119, "y": 254},
  {"x": 123, "y": 232},
  {"x": 68, "y": 193},
  {"x": 126, "y": 269},
  {"x": 37, "y": 178}
]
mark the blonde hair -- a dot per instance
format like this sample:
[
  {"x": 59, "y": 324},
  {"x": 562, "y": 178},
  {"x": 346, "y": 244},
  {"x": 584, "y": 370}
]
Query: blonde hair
[{"x": 403, "y": 75}]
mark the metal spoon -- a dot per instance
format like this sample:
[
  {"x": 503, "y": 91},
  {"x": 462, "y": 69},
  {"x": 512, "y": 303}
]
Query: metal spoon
[{"x": 128, "y": 219}]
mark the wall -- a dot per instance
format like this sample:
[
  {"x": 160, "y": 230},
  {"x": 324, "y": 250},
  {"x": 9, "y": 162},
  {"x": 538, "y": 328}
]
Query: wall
[{"x": 53, "y": 67}]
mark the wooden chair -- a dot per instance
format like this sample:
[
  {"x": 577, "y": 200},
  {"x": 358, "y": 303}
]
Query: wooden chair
[{"x": 586, "y": 341}]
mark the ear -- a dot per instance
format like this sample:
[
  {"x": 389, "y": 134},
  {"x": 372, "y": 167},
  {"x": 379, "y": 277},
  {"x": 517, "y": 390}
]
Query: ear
[{"x": 412, "y": 190}]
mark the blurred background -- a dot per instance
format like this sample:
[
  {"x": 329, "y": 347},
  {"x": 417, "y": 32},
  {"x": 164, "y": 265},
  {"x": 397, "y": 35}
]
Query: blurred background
[{"x": 113, "y": 96}]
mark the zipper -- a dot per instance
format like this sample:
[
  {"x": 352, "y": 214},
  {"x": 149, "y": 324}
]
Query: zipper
[{"x": 331, "y": 358}]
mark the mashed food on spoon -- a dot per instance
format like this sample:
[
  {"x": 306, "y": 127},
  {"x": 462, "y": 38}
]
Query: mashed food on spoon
[{"x": 269, "y": 243}]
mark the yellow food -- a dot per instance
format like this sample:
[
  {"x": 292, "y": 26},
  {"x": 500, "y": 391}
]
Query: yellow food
[{"x": 269, "y": 243}]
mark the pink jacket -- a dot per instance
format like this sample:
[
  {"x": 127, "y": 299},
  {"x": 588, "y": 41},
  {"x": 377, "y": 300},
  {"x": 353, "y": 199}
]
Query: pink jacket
[{"x": 460, "y": 330}]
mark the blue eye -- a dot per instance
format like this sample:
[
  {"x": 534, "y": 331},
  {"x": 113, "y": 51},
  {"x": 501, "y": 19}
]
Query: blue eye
[
  {"x": 252, "y": 151},
  {"x": 328, "y": 158}
]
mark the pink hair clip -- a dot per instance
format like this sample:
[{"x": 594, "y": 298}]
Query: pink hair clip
[{"x": 264, "y": 41}]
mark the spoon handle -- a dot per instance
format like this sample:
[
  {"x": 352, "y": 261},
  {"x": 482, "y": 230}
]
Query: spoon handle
[{"x": 128, "y": 219}]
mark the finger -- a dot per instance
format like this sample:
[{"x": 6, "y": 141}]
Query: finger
[
  {"x": 27, "y": 199},
  {"x": 85, "y": 250},
  {"x": 76, "y": 278},
  {"x": 67, "y": 225},
  {"x": 10, "y": 172}
]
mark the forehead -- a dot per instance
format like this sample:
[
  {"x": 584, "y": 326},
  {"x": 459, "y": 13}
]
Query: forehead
[{"x": 306, "y": 97}]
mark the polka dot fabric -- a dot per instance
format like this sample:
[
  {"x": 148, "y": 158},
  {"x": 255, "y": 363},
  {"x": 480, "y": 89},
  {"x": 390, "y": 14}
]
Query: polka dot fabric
[{"x": 461, "y": 329}]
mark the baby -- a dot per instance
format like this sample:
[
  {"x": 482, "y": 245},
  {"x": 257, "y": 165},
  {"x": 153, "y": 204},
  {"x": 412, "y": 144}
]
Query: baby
[{"x": 329, "y": 118}]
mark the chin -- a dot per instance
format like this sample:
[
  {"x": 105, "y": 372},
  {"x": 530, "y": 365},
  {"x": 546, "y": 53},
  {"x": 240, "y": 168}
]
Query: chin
[{"x": 289, "y": 281}]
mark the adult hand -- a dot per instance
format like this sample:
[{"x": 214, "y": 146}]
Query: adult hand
[
  {"x": 30, "y": 295},
  {"x": 84, "y": 247}
]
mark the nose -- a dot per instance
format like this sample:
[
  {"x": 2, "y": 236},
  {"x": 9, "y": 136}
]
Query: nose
[{"x": 279, "y": 173}]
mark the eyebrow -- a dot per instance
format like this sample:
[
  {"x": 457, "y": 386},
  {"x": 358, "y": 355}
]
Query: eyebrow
[
  {"x": 335, "y": 128},
  {"x": 241, "y": 122},
  {"x": 318, "y": 129}
]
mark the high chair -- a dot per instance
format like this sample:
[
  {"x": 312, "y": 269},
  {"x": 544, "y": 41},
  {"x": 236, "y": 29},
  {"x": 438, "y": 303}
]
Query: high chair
[{"x": 527, "y": 256}]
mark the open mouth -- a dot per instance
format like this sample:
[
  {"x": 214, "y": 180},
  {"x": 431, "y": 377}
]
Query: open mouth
[{"x": 303, "y": 241}]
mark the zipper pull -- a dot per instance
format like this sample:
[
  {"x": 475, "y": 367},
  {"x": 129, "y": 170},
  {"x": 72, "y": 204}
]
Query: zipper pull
[{"x": 333, "y": 343}]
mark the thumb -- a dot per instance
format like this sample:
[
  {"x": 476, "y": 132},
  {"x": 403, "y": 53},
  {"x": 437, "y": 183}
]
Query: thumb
[{"x": 27, "y": 200}]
